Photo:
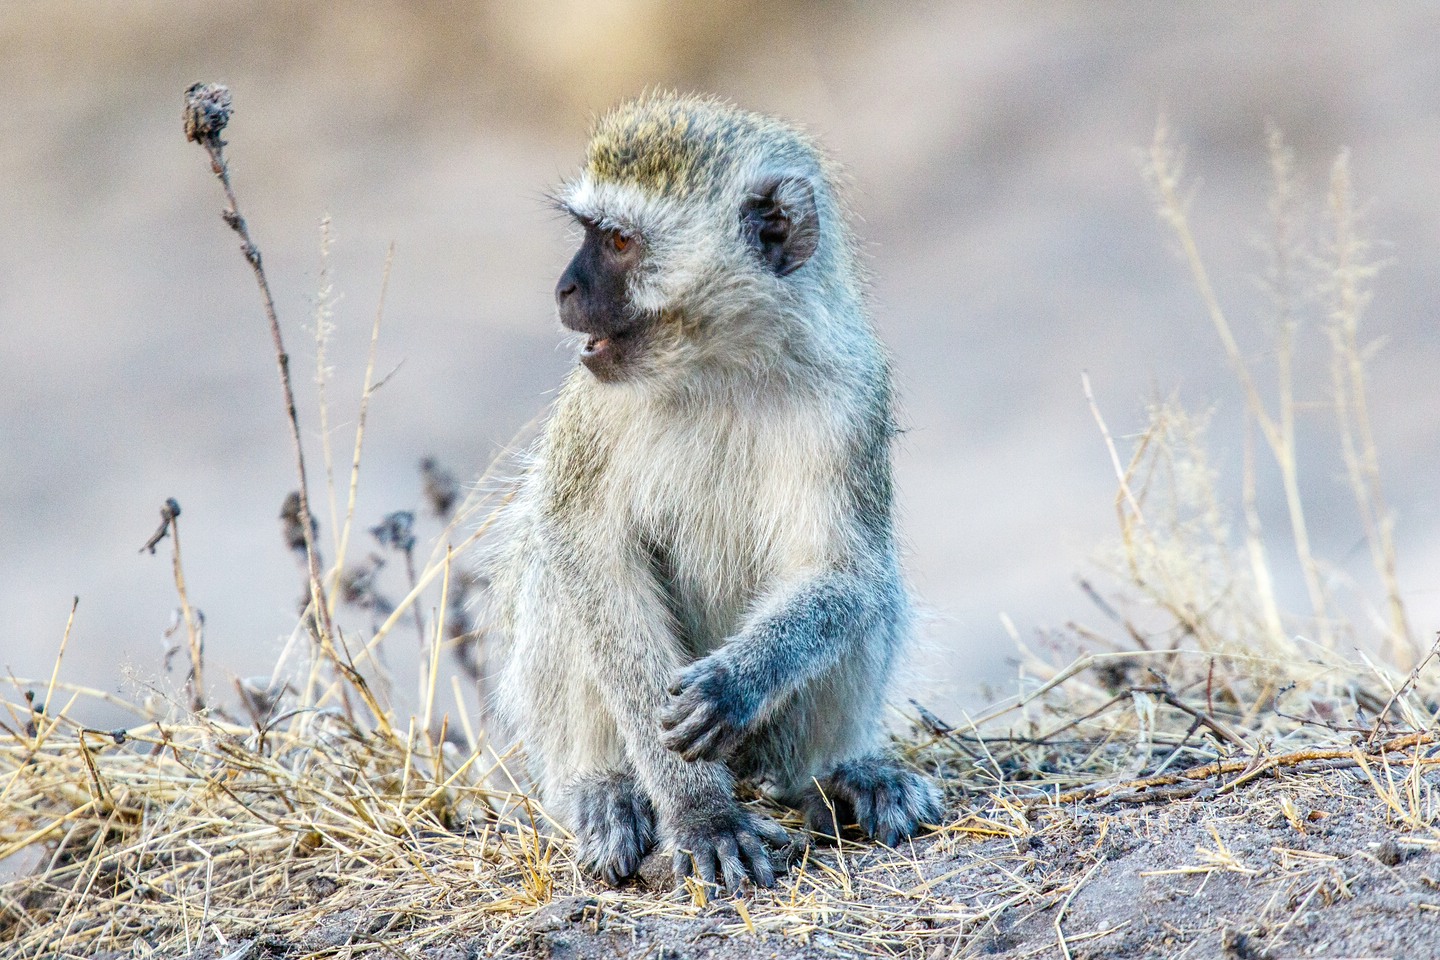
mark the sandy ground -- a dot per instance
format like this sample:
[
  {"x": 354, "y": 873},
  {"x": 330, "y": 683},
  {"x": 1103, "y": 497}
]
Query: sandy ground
[
  {"x": 1325, "y": 863},
  {"x": 992, "y": 153}
]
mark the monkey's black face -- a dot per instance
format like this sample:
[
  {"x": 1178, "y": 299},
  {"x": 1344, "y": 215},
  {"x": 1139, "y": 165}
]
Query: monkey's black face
[{"x": 594, "y": 299}]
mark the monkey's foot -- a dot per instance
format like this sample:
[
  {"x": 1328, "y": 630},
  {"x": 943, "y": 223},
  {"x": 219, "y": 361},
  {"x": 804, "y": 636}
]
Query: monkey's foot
[
  {"x": 614, "y": 826},
  {"x": 888, "y": 802},
  {"x": 711, "y": 845}
]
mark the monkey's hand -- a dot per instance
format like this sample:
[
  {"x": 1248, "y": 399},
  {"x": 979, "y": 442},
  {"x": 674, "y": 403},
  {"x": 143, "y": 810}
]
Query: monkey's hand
[
  {"x": 710, "y": 845},
  {"x": 708, "y": 714}
]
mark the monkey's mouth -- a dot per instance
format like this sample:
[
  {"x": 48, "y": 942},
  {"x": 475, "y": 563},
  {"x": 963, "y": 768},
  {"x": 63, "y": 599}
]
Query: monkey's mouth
[{"x": 606, "y": 355}]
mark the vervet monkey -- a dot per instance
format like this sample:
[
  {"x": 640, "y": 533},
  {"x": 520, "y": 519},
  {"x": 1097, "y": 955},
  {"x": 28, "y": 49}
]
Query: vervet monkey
[{"x": 698, "y": 576}]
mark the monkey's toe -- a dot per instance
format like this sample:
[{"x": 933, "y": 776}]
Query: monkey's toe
[
  {"x": 886, "y": 800},
  {"x": 726, "y": 848},
  {"x": 614, "y": 826}
]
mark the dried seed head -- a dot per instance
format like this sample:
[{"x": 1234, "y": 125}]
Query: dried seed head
[
  {"x": 207, "y": 111},
  {"x": 357, "y": 586},
  {"x": 169, "y": 510},
  {"x": 397, "y": 530},
  {"x": 290, "y": 526},
  {"x": 441, "y": 487}
]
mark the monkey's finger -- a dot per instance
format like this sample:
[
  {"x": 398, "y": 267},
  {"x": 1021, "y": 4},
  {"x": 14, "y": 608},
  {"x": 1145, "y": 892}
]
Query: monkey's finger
[
  {"x": 729, "y": 856},
  {"x": 715, "y": 745},
  {"x": 688, "y": 674},
  {"x": 862, "y": 803},
  {"x": 683, "y": 736},
  {"x": 680, "y": 707},
  {"x": 707, "y": 746},
  {"x": 641, "y": 814},
  {"x": 887, "y": 815},
  {"x": 759, "y": 859},
  {"x": 770, "y": 830},
  {"x": 705, "y": 862},
  {"x": 675, "y": 713}
]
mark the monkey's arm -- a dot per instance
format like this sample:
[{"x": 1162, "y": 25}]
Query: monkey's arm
[{"x": 796, "y": 637}]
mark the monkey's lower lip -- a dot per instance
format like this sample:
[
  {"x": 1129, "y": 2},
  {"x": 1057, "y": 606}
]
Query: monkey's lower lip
[{"x": 608, "y": 356}]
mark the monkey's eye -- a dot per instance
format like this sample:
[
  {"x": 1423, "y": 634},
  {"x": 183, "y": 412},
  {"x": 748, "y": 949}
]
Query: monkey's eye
[{"x": 620, "y": 241}]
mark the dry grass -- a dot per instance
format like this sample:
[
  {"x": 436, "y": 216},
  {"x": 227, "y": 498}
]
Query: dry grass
[{"x": 316, "y": 818}]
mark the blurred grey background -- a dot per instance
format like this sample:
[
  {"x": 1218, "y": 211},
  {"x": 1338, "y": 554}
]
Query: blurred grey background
[{"x": 992, "y": 149}]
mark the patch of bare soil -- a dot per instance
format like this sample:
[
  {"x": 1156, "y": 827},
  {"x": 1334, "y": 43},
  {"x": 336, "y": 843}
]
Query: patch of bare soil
[
  {"x": 1336, "y": 862},
  {"x": 1318, "y": 865}
]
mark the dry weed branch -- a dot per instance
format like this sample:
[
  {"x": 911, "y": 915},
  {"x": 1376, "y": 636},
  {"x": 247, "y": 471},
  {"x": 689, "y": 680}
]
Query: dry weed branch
[
  {"x": 207, "y": 112},
  {"x": 1163, "y": 171},
  {"x": 1349, "y": 273}
]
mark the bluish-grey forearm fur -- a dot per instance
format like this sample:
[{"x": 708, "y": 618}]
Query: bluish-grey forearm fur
[{"x": 811, "y": 631}]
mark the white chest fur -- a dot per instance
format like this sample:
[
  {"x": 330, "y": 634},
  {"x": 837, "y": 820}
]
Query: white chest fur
[{"x": 733, "y": 501}]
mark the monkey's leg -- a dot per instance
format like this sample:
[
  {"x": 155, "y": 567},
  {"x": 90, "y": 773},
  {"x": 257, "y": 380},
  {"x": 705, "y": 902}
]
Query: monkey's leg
[
  {"x": 888, "y": 801},
  {"x": 586, "y": 777},
  {"x": 626, "y": 654},
  {"x": 708, "y": 833},
  {"x": 614, "y": 824}
]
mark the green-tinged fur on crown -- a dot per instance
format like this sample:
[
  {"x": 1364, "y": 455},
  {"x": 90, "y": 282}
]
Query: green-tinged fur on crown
[{"x": 678, "y": 145}]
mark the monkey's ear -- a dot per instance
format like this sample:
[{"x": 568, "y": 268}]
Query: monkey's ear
[{"x": 780, "y": 220}]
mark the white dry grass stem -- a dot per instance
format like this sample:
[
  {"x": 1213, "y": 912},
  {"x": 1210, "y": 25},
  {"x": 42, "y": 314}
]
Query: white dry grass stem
[
  {"x": 366, "y": 392},
  {"x": 1163, "y": 170},
  {"x": 1350, "y": 272}
]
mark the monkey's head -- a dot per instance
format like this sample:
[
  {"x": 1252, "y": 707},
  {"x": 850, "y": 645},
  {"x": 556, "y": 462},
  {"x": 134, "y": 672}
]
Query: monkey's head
[{"x": 708, "y": 231}]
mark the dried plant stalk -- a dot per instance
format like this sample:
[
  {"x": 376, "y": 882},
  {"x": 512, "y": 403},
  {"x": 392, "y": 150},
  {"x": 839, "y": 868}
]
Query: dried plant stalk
[
  {"x": 1163, "y": 171},
  {"x": 207, "y": 112},
  {"x": 1349, "y": 272}
]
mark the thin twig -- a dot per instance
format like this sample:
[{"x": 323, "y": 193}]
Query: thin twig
[
  {"x": 324, "y": 326},
  {"x": 1408, "y": 684},
  {"x": 1065, "y": 905},
  {"x": 207, "y": 111},
  {"x": 366, "y": 392},
  {"x": 196, "y": 680},
  {"x": 1204, "y": 719}
]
